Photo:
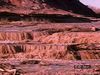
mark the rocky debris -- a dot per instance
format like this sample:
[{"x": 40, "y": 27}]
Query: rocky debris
[
  {"x": 6, "y": 68},
  {"x": 94, "y": 29}
]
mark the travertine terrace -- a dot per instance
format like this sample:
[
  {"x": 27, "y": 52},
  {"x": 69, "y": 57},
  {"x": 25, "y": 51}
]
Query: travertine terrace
[{"x": 48, "y": 37}]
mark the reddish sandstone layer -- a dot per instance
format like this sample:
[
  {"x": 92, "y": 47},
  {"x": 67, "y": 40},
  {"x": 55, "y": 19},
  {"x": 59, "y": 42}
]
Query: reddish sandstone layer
[
  {"x": 46, "y": 45},
  {"x": 49, "y": 41},
  {"x": 54, "y": 38},
  {"x": 47, "y": 7}
]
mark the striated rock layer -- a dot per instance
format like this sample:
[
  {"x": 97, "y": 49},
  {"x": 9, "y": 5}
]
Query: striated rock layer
[
  {"x": 48, "y": 49},
  {"x": 54, "y": 38},
  {"x": 53, "y": 41},
  {"x": 58, "y": 45},
  {"x": 46, "y": 7}
]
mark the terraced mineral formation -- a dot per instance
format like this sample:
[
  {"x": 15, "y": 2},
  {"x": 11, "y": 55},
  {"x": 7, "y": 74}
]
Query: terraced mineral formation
[
  {"x": 70, "y": 42},
  {"x": 48, "y": 37},
  {"x": 65, "y": 42}
]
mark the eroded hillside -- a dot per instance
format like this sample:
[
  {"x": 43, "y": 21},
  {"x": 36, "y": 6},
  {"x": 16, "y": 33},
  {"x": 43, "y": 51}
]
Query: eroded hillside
[{"x": 48, "y": 37}]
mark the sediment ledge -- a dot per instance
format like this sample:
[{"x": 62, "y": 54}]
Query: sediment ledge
[{"x": 48, "y": 66}]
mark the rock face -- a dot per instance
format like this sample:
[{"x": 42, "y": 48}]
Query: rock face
[
  {"x": 74, "y": 6},
  {"x": 96, "y": 10},
  {"x": 71, "y": 5},
  {"x": 56, "y": 42},
  {"x": 48, "y": 48}
]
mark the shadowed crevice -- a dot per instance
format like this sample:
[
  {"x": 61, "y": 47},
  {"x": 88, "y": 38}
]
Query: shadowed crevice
[
  {"x": 73, "y": 50},
  {"x": 54, "y": 18}
]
